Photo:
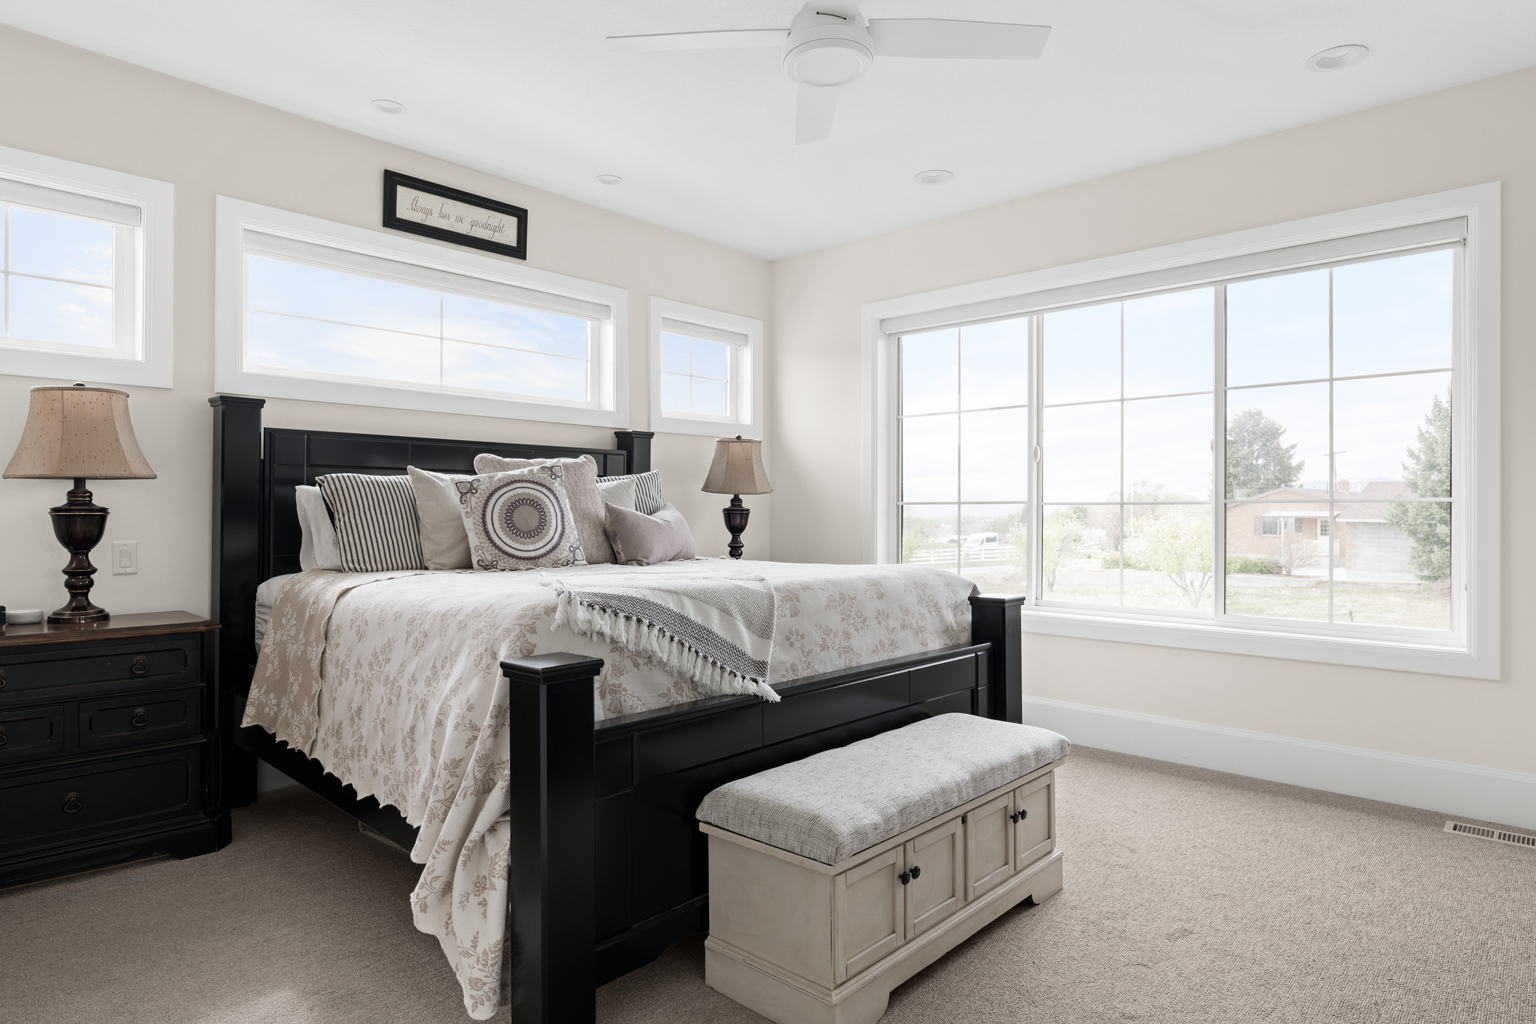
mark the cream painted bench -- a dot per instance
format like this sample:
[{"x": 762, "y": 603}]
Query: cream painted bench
[{"x": 834, "y": 879}]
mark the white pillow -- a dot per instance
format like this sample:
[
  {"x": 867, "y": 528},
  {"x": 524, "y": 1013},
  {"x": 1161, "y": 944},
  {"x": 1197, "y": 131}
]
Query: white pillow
[
  {"x": 444, "y": 542},
  {"x": 319, "y": 548},
  {"x": 619, "y": 490}
]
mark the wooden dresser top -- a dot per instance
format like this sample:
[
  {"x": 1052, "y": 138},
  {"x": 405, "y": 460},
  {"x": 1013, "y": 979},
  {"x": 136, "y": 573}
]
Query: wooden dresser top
[{"x": 118, "y": 627}]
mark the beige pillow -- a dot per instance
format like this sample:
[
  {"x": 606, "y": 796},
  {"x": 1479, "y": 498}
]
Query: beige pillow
[
  {"x": 444, "y": 543},
  {"x": 580, "y": 480},
  {"x": 639, "y": 539},
  {"x": 520, "y": 520}
]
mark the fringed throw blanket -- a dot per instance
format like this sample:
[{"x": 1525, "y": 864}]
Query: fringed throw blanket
[{"x": 712, "y": 630}]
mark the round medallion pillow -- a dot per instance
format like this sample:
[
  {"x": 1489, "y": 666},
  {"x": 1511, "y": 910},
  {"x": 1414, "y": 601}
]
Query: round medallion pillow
[{"x": 519, "y": 520}]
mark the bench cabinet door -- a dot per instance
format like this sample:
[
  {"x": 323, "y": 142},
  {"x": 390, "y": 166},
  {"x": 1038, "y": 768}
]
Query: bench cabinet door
[
  {"x": 870, "y": 912},
  {"x": 1035, "y": 831},
  {"x": 936, "y": 873},
  {"x": 988, "y": 846}
]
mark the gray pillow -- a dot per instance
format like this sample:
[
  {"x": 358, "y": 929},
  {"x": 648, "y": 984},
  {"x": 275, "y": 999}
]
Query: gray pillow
[
  {"x": 580, "y": 480},
  {"x": 444, "y": 542},
  {"x": 639, "y": 539},
  {"x": 617, "y": 490}
]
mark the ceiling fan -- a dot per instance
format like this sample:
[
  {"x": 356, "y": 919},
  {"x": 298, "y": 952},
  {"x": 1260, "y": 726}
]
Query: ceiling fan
[{"x": 829, "y": 44}]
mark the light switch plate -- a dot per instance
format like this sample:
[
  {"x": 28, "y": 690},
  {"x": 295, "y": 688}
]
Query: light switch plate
[{"x": 125, "y": 558}]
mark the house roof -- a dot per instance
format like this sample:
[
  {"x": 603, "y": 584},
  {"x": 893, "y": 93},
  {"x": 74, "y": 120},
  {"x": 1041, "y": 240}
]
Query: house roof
[{"x": 1350, "y": 507}]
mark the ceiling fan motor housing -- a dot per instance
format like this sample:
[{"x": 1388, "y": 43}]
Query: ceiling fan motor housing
[{"x": 826, "y": 50}]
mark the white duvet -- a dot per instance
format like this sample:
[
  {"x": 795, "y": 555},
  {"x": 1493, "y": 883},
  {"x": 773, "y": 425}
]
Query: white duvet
[{"x": 393, "y": 682}]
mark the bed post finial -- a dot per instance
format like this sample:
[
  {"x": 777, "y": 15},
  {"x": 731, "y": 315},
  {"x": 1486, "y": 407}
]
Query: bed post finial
[
  {"x": 637, "y": 445},
  {"x": 995, "y": 620},
  {"x": 552, "y": 862}
]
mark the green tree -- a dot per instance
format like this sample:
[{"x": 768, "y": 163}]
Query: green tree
[
  {"x": 1428, "y": 475},
  {"x": 1176, "y": 541},
  {"x": 1062, "y": 536},
  {"x": 1256, "y": 460}
]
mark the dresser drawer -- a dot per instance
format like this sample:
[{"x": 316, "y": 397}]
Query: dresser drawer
[
  {"x": 57, "y": 803},
  {"x": 157, "y": 662},
  {"x": 138, "y": 718},
  {"x": 30, "y": 733}
]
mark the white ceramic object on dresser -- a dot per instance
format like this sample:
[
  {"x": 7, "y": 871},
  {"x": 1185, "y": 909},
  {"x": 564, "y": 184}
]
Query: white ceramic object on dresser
[{"x": 802, "y": 942}]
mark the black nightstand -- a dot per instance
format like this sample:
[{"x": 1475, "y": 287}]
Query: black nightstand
[{"x": 108, "y": 744}]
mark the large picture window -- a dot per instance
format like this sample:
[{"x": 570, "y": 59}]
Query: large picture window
[{"x": 1265, "y": 449}]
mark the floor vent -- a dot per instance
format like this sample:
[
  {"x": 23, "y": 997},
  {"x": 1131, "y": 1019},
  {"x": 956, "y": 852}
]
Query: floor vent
[{"x": 1497, "y": 835}]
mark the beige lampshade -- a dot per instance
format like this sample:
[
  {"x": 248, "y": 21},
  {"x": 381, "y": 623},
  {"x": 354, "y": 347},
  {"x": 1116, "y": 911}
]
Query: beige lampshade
[
  {"x": 738, "y": 468},
  {"x": 78, "y": 432}
]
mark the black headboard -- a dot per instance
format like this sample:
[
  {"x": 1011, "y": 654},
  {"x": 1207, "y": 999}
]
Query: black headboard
[{"x": 255, "y": 518}]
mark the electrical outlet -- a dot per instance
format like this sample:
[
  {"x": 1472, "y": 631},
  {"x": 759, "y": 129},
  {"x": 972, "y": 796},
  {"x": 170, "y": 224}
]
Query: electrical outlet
[{"x": 125, "y": 558}]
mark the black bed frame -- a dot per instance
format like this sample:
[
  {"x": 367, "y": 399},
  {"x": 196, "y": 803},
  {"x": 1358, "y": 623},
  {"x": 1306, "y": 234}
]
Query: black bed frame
[{"x": 607, "y": 865}]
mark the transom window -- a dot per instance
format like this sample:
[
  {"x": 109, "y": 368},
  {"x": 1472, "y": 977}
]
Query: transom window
[
  {"x": 706, "y": 370},
  {"x": 1101, "y": 481},
  {"x": 696, "y": 378}
]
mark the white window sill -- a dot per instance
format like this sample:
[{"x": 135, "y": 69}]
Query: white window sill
[
  {"x": 1393, "y": 654},
  {"x": 664, "y": 424}
]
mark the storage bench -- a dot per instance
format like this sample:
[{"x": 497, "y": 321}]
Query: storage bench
[{"x": 834, "y": 879}]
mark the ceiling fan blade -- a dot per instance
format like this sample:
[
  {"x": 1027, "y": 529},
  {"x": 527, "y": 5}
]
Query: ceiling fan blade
[
  {"x": 727, "y": 39},
  {"x": 968, "y": 40},
  {"x": 813, "y": 113}
]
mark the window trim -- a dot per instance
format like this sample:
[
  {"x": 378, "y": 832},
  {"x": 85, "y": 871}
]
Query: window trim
[
  {"x": 152, "y": 360},
  {"x": 234, "y": 217},
  {"x": 1477, "y": 424},
  {"x": 747, "y": 387}
]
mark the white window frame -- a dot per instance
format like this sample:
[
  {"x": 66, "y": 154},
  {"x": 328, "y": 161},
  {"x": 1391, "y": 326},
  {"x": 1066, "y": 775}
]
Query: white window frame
[
  {"x": 1474, "y": 649},
  {"x": 746, "y": 400},
  {"x": 609, "y": 406},
  {"x": 144, "y": 267}
]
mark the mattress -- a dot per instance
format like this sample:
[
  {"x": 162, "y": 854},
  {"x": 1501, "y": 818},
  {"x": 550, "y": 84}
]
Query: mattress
[{"x": 266, "y": 593}]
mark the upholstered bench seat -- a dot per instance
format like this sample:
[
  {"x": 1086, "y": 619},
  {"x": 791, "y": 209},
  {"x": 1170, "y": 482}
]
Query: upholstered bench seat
[
  {"x": 834, "y": 879},
  {"x": 834, "y": 804}
]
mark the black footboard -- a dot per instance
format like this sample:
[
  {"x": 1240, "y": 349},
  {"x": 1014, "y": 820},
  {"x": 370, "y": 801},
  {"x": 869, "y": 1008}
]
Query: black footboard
[{"x": 629, "y": 787}]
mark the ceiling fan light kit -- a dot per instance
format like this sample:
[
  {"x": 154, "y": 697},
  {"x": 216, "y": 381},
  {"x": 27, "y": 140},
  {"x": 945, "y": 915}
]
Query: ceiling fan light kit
[{"x": 829, "y": 44}]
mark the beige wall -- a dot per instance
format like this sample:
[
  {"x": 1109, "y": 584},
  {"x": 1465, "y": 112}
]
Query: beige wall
[
  {"x": 69, "y": 103},
  {"x": 1463, "y": 136}
]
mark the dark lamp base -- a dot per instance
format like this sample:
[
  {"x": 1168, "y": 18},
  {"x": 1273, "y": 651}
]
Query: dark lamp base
[
  {"x": 736, "y": 521},
  {"x": 79, "y": 524}
]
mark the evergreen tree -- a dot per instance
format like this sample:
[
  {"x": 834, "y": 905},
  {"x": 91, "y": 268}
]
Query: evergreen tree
[
  {"x": 1428, "y": 475},
  {"x": 1256, "y": 460}
]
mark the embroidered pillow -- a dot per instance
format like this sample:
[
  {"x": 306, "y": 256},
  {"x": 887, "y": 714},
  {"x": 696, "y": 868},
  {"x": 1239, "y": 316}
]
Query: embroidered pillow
[
  {"x": 580, "y": 487},
  {"x": 520, "y": 520},
  {"x": 375, "y": 519},
  {"x": 646, "y": 488}
]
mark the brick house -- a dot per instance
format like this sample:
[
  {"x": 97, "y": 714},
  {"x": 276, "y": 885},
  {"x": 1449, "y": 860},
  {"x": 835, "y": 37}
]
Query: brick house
[{"x": 1294, "y": 524}]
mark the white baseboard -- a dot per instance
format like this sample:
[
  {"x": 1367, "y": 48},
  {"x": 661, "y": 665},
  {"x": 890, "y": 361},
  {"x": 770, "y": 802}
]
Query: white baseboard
[{"x": 1457, "y": 790}]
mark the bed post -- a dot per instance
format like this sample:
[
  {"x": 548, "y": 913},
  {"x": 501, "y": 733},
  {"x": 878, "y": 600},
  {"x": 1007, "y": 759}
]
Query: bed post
[
  {"x": 552, "y": 863},
  {"x": 236, "y": 551},
  {"x": 995, "y": 620},
  {"x": 637, "y": 445}
]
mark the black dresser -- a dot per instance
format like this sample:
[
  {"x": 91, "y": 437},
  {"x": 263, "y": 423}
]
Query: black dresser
[{"x": 108, "y": 747}]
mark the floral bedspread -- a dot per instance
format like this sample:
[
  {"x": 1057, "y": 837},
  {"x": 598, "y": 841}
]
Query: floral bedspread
[{"x": 393, "y": 682}]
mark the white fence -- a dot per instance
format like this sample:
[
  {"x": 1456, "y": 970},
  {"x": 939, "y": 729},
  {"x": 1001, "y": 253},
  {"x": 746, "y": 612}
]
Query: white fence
[{"x": 990, "y": 554}]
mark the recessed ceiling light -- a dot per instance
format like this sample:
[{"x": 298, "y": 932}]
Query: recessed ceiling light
[
  {"x": 388, "y": 106},
  {"x": 1336, "y": 57},
  {"x": 609, "y": 179},
  {"x": 933, "y": 177}
]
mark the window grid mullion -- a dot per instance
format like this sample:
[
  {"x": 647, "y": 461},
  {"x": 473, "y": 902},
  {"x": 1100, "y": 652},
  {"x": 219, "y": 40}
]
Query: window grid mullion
[
  {"x": 1219, "y": 457},
  {"x": 1333, "y": 466},
  {"x": 1121, "y": 544}
]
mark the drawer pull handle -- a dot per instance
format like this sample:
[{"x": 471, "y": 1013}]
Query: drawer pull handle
[
  {"x": 139, "y": 720},
  {"x": 905, "y": 876},
  {"x": 71, "y": 803},
  {"x": 2, "y": 678},
  {"x": 4, "y": 739},
  {"x": 916, "y": 871},
  {"x": 140, "y": 665}
]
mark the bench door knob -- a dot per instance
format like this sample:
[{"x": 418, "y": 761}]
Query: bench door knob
[
  {"x": 905, "y": 877},
  {"x": 916, "y": 871}
]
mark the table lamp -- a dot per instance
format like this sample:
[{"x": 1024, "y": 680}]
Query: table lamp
[
  {"x": 78, "y": 433},
  {"x": 737, "y": 470}
]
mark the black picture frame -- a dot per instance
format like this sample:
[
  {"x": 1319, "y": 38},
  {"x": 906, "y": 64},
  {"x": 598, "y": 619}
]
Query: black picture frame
[{"x": 394, "y": 181}]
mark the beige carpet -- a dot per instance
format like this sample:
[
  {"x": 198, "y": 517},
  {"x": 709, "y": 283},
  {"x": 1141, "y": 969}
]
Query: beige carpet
[{"x": 1191, "y": 896}]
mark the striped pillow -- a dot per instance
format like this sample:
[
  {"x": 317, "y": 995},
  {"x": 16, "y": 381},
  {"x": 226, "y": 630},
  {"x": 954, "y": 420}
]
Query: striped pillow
[
  {"x": 647, "y": 489},
  {"x": 376, "y": 525}
]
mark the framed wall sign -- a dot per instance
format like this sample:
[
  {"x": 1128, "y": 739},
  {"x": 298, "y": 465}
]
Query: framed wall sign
[{"x": 449, "y": 215}]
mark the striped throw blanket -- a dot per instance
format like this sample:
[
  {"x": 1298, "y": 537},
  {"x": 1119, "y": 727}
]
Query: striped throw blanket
[{"x": 714, "y": 630}]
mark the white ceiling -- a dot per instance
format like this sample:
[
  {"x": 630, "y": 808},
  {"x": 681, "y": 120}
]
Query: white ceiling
[{"x": 704, "y": 139}]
